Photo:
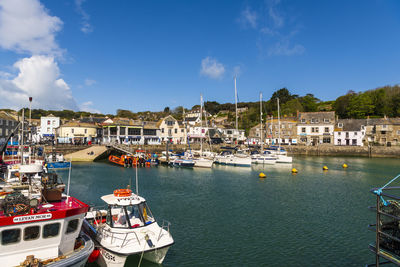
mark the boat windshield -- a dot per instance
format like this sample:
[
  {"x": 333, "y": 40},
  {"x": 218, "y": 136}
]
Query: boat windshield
[{"x": 131, "y": 216}]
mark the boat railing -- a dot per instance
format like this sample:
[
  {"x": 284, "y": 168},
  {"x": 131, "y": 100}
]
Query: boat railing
[
  {"x": 164, "y": 226},
  {"x": 123, "y": 237},
  {"x": 387, "y": 238}
]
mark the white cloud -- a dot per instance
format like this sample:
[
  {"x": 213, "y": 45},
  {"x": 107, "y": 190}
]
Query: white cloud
[
  {"x": 86, "y": 26},
  {"x": 90, "y": 82},
  {"x": 274, "y": 15},
  {"x": 284, "y": 48},
  {"x": 88, "y": 107},
  {"x": 212, "y": 68},
  {"x": 26, "y": 27},
  {"x": 248, "y": 18},
  {"x": 39, "y": 77}
]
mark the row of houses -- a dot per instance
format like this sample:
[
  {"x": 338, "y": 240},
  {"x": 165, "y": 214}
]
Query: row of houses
[
  {"x": 307, "y": 128},
  {"x": 318, "y": 128}
]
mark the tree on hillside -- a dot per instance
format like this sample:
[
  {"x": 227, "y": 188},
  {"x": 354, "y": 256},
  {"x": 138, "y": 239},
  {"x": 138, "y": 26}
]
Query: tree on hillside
[
  {"x": 166, "y": 110},
  {"x": 309, "y": 103},
  {"x": 125, "y": 114}
]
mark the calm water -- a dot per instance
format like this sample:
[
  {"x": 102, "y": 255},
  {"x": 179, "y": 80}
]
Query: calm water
[{"x": 227, "y": 216}]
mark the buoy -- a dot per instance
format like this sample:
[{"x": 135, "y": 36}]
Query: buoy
[
  {"x": 325, "y": 168},
  {"x": 344, "y": 165},
  {"x": 294, "y": 170},
  {"x": 93, "y": 257},
  {"x": 262, "y": 175}
]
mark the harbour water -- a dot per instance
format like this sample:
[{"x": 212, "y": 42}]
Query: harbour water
[{"x": 227, "y": 216}]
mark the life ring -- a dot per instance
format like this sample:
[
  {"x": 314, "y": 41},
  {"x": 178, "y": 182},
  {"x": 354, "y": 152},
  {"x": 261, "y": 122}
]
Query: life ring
[{"x": 122, "y": 193}]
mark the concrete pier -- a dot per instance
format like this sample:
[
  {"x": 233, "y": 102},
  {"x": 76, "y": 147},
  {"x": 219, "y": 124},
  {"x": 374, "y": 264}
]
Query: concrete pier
[{"x": 87, "y": 154}]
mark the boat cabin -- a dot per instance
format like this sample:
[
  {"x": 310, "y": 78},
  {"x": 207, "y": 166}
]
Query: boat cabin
[
  {"x": 44, "y": 230},
  {"x": 127, "y": 210}
]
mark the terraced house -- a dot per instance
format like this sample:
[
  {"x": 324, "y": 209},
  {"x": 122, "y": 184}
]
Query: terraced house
[
  {"x": 7, "y": 124},
  {"x": 314, "y": 128},
  {"x": 172, "y": 130}
]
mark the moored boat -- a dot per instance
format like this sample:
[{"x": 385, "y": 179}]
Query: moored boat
[{"x": 128, "y": 228}]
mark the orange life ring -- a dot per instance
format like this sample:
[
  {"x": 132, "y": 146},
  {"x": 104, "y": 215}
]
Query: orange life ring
[{"x": 122, "y": 193}]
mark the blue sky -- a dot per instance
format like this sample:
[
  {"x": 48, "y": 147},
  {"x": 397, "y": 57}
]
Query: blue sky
[{"x": 99, "y": 55}]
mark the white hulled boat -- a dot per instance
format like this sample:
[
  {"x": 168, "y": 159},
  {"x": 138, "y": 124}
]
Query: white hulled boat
[
  {"x": 128, "y": 228},
  {"x": 227, "y": 157}
]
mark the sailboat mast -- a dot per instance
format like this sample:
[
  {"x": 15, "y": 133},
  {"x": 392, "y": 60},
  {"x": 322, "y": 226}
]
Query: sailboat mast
[
  {"x": 261, "y": 122},
  {"x": 279, "y": 126},
  {"x": 236, "y": 106},
  {"x": 201, "y": 124}
]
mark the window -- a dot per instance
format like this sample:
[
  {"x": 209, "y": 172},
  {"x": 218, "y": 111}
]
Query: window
[
  {"x": 182, "y": 130},
  {"x": 72, "y": 130},
  {"x": 6, "y": 122},
  {"x": 316, "y": 120},
  {"x": 122, "y": 130},
  {"x": 312, "y": 129},
  {"x": 48, "y": 129},
  {"x": 51, "y": 230},
  {"x": 6, "y": 132},
  {"x": 170, "y": 123},
  {"x": 316, "y": 129},
  {"x": 354, "y": 142},
  {"x": 355, "y": 133},
  {"x": 303, "y": 129},
  {"x": 11, "y": 236},
  {"x": 327, "y": 129},
  {"x": 326, "y": 120},
  {"x": 326, "y": 140},
  {"x": 312, "y": 120},
  {"x": 398, "y": 132},
  {"x": 162, "y": 130},
  {"x": 54, "y": 122},
  {"x": 339, "y": 133},
  {"x": 340, "y": 125},
  {"x": 72, "y": 226},
  {"x": 86, "y": 131},
  {"x": 31, "y": 233},
  {"x": 384, "y": 126},
  {"x": 176, "y": 130},
  {"x": 116, "y": 215},
  {"x": 48, "y": 122},
  {"x": 283, "y": 126},
  {"x": 303, "y": 120}
]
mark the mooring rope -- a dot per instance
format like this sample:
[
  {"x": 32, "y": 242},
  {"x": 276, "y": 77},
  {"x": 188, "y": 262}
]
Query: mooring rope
[{"x": 378, "y": 192}]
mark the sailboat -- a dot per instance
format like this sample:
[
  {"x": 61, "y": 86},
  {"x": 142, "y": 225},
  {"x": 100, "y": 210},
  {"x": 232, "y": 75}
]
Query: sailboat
[
  {"x": 202, "y": 161},
  {"x": 227, "y": 157},
  {"x": 266, "y": 157},
  {"x": 278, "y": 151}
]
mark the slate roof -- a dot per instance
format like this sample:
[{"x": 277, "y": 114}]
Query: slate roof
[
  {"x": 350, "y": 125},
  {"x": 5, "y": 116},
  {"x": 320, "y": 116}
]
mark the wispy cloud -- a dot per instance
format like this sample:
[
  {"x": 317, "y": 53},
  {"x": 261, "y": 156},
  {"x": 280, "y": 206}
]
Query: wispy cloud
[
  {"x": 88, "y": 107},
  {"x": 26, "y": 27},
  {"x": 248, "y": 18},
  {"x": 277, "y": 34},
  {"x": 211, "y": 68},
  {"x": 90, "y": 82},
  {"x": 86, "y": 27}
]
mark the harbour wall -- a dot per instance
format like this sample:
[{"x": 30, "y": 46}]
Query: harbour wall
[{"x": 321, "y": 150}]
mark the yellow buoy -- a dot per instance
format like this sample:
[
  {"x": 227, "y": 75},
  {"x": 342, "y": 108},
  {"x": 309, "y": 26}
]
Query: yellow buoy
[
  {"x": 325, "y": 168},
  {"x": 294, "y": 170},
  {"x": 262, "y": 175},
  {"x": 344, "y": 165}
]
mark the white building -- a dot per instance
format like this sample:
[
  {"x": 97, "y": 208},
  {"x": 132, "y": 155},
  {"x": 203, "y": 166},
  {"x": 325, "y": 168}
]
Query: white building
[
  {"x": 232, "y": 135},
  {"x": 315, "y": 128},
  {"x": 349, "y": 132},
  {"x": 48, "y": 125},
  {"x": 172, "y": 130},
  {"x": 196, "y": 133}
]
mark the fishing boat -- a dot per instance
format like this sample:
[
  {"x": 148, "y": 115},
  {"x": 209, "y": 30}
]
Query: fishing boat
[
  {"x": 40, "y": 225},
  {"x": 57, "y": 161},
  {"x": 127, "y": 227}
]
